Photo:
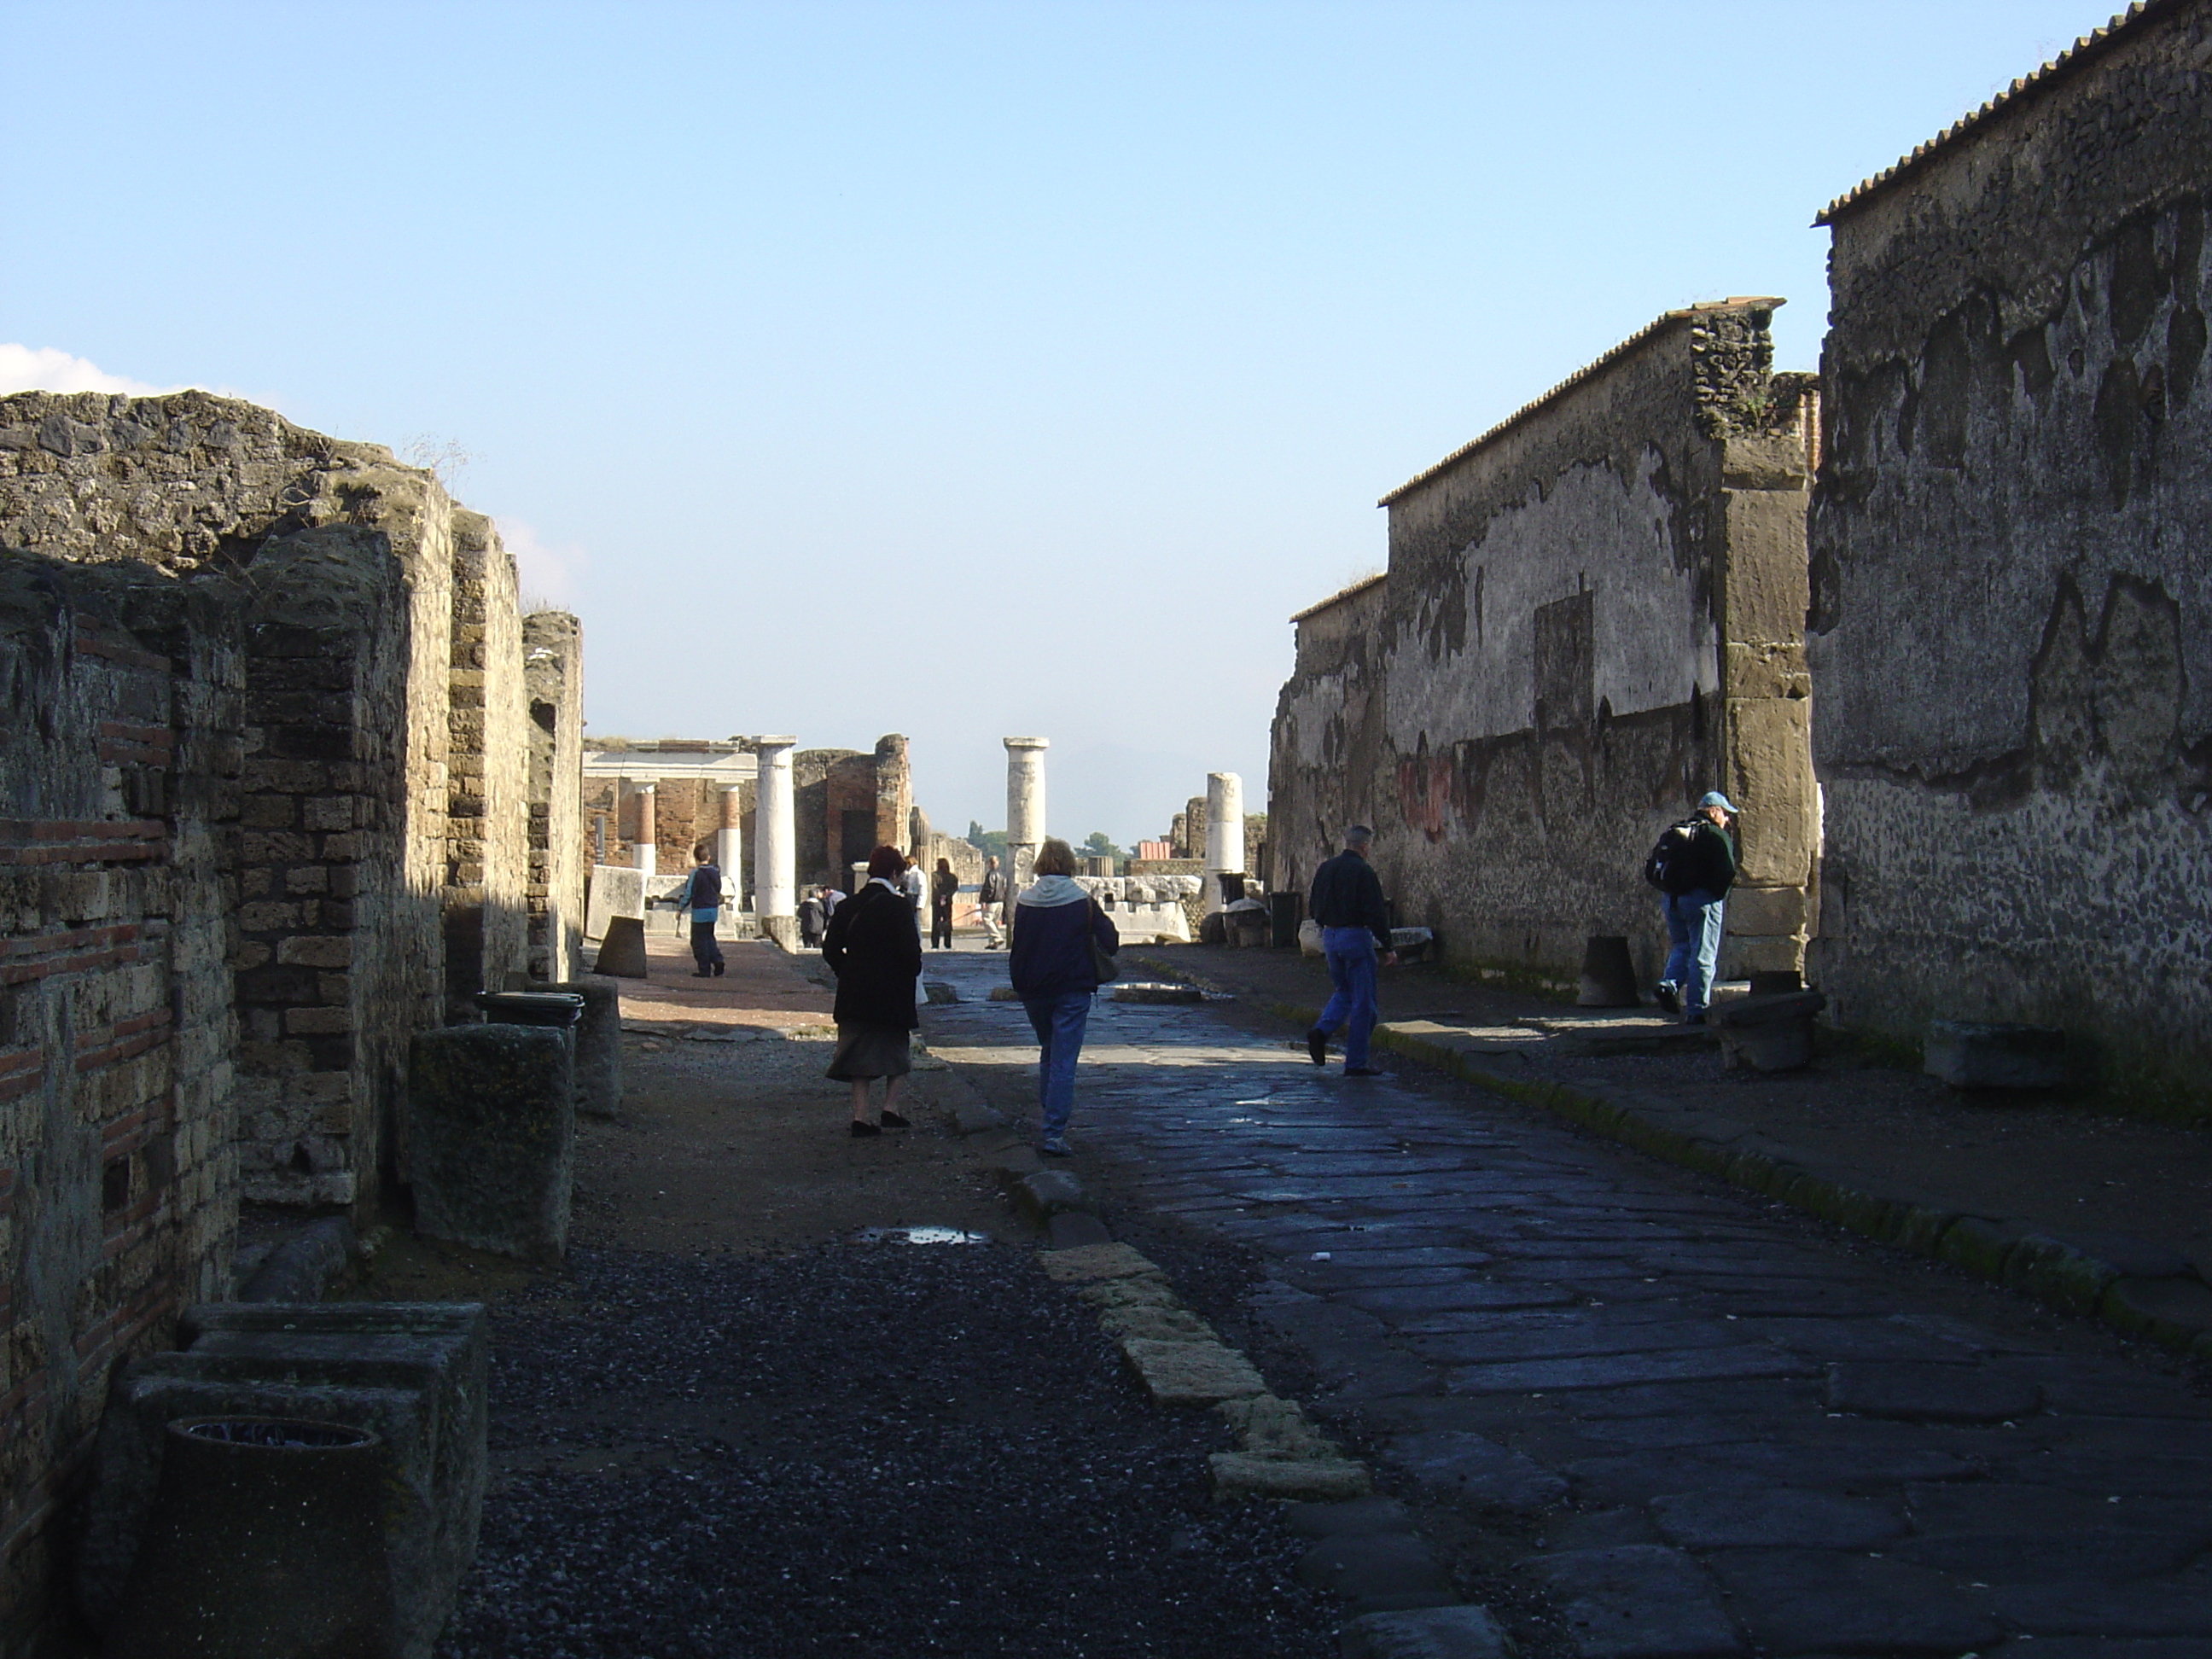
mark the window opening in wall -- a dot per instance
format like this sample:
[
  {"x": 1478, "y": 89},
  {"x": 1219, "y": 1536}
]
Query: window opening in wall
[{"x": 115, "y": 1185}]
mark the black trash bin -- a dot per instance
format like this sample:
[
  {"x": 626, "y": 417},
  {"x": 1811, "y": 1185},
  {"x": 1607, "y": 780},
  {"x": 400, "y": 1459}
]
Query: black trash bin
[{"x": 1283, "y": 918}]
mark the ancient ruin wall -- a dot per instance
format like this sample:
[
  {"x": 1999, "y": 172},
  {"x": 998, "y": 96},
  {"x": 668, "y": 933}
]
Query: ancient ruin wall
[
  {"x": 553, "y": 681},
  {"x": 1327, "y": 731},
  {"x": 119, "y": 798},
  {"x": 1548, "y": 675},
  {"x": 485, "y": 904},
  {"x": 2012, "y": 563}
]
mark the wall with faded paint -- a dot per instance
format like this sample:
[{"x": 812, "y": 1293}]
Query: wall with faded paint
[
  {"x": 2012, "y": 564},
  {"x": 1592, "y": 615}
]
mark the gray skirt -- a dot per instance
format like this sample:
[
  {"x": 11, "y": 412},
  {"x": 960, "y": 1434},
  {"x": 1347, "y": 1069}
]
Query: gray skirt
[{"x": 866, "y": 1051}]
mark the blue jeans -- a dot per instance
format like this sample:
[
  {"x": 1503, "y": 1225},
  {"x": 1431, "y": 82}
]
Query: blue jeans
[
  {"x": 1350, "y": 955},
  {"x": 704, "y": 951},
  {"x": 1694, "y": 936},
  {"x": 1059, "y": 1023}
]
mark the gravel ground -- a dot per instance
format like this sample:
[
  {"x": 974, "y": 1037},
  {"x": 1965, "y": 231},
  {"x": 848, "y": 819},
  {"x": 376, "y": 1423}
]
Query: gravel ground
[{"x": 861, "y": 1450}]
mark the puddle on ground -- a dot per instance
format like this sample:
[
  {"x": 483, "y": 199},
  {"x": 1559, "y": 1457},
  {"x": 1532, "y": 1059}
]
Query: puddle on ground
[{"x": 918, "y": 1236}]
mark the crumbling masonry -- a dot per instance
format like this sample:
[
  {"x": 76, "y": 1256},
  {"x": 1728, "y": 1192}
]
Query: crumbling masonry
[{"x": 266, "y": 807}]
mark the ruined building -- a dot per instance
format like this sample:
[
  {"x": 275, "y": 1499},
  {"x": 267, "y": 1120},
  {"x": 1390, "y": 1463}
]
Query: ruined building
[
  {"x": 1593, "y": 613},
  {"x": 2011, "y": 551},
  {"x": 285, "y": 778}
]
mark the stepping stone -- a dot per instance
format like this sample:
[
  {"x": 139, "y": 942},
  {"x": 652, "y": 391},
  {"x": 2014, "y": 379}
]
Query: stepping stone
[
  {"x": 1140, "y": 992},
  {"x": 1361, "y": 1566},
  {"x": 1095, "y": 1262},
  {"x": 1322, "y": 1480},
  {"x": 1774, "y": 1517},
  {"x": 1192, "y": 1373},
  {"x": 1638, "y": 1602},
  {"x": 1832, "y": 1601},
  {"x": 1460, "y": 1633},
  {"x": 1929, "y": 1392}
]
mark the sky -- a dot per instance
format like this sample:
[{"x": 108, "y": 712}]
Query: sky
[{"x": 961, "y": 370}]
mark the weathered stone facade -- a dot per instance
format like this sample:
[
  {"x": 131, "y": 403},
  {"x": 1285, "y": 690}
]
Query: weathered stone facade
[
  {"x": 1592, "y": 614},
  {"x": 553, "y": 681},
  {"x": 2011, "y": 566},
  {"x": 228, "y": 645}
]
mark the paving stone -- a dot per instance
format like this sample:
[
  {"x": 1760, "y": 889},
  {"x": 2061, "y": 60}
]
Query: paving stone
[
  {"x": 1615, "y": 1370},
  {"x": 1831, "y": 1601},
  {"x": 1753, "y": 1396},
  {"x": 1640, "y": 1477},
  {"x": 2009, "y": 1509},
  {"x": 1774, "y": 1517},
  {"x": 1929, "y": 1392},
  {"x": 1460, "y": 1633},
  {"x": 1853, "y": 1338},
  {"x": 2167, "y": 1607},
  {"x": 1075, "y": 1229},
  {"x": 1192, "y": 1373},
  {"x": 1456, "y": 1463},
  {"x": 2104, "y": 1557},
  {"x": 1599, "y": 1529},
  {"x": 1565, "y": 1339},
  {"x": 1636, "y": 1601},
  {"x": 2122, "y": 1647},
  {"x": 1460, "y": 1295},
  {"x": 1363, "y": 1566}
]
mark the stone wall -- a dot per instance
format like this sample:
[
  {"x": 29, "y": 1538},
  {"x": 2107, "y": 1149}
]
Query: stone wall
[
  {"x": 1592, "y": 614},
  {"x": 2012, "y": 563},
  {"x": 553, "y": 681},
  {"x": 228, "y": 648},
  {"x": 484, "y": 902},
  {"x": 119, "y": 804}
]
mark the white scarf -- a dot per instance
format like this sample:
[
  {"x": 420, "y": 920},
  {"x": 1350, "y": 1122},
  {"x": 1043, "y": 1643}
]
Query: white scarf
[{"x": 1052, "y": 890}]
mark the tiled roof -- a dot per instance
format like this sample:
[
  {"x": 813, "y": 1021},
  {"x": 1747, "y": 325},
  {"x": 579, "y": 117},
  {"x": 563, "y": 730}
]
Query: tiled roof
[
  {"x": 1667, "y": 320},
  {"x": 1341, "y": 595},
  {"x": 2087, "y": 50}
]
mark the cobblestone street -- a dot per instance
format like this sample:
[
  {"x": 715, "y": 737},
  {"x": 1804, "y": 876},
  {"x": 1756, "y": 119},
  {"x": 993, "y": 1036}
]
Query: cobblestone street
[{"x": 1636, "y": 1411}]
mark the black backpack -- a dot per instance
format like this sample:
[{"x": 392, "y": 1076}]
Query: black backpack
[{"x": 1670, "y": 868}]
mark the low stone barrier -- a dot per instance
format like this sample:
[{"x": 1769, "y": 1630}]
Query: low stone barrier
[{"x": 491, "y": 1137}]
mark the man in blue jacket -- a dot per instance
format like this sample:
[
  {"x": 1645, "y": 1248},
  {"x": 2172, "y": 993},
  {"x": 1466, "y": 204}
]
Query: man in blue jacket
[
  {"x": 702, "y": 897},
  {"x": 1355, "y": 934}
]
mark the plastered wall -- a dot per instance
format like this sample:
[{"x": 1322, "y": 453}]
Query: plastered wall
[{"x": 2011, "y": 562}]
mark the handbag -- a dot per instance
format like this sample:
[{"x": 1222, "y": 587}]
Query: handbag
[{"x": 1101, "y": 960}]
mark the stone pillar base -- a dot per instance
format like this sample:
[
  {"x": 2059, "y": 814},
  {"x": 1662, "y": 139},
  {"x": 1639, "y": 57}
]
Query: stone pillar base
[
  {"x": 492, "y": 1128},
  {"x": 782, "y": 930}
]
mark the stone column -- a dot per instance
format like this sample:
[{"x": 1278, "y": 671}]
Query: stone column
[
  {"x": 775, "y": 843},
  {"x": 1025, "y": 806},
  {"x": 1224, "y": 832},
  {"x": 729, "y": 840},
  {"x": 643, "y": 852}
]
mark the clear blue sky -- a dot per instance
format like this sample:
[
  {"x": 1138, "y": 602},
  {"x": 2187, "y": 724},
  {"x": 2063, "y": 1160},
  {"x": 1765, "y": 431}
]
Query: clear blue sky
[{"x": 948, "y": 369}]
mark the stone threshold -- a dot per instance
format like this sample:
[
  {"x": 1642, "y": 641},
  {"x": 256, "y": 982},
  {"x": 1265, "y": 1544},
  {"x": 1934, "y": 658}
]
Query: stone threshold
[{"x": 2162, "y": 1302}]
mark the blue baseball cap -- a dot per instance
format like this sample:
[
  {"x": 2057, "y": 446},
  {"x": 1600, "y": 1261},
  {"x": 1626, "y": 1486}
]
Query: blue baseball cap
[{"x": 1714, "y": 798}]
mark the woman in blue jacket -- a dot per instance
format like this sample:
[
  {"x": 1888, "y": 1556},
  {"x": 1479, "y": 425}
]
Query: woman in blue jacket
[{"x": 1056, "y": 924}]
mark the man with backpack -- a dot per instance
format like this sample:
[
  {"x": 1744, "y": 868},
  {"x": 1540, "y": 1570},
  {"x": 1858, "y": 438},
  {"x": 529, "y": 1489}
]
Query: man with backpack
[{"x": 1693, "y": 866}]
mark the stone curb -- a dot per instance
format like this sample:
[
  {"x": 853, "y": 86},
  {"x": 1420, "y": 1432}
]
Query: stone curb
[
  {"x": 2174, "y": 1311},
  {"x": 1181, "y": 1361}
]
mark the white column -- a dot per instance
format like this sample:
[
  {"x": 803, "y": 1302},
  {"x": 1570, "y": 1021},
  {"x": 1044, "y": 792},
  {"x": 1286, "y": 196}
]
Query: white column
[
  {"x": 729, "y": 840},
  {"x": 643, "y": 852},
  {"x": 775, "y": 841},
  {"x": 1025, "y": 806},
  {"x": 1224, "y": 832}
]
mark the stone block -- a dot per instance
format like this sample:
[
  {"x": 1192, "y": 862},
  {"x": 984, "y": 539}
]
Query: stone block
[
  {"x": 413, "y": 1373},
  {"x": 939, "y": 990},
  {"x": 301, "y": 1267},
  {"x": 622, "y": 950},
  {"x": 1609, "y": 975},
  {"x": 1765, "y": 910},
  {"x": 599, "y": 1044},
  {"x": 1317, "y": 1480},
  {"x": 1638, "y": 1601},
  {"x": 491, "y": 1137},
  {"x": 1045, "y": 1193},
  {"x": 1767, "y": 1033},
  {"x": 1929, "y": 1391},
  {"x": 1970, "y": 1055},
  {"x": 1743, "y": 956},
  {"x": 1765, "y": 590},
  {"x": 1769, "y": 759},
  {"x": 1462, "y": 1633},
  {"x": 1076, "y": 1230},
  {"x": 1139, "y": 990},
  {"x": 1192, "y": 1373},
  {"x": 2175, "y": 1312},
  {"x": 1095, "y": 1262}
]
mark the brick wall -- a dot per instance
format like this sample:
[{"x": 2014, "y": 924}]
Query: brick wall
[
  {"x": 117, "y": 1193},
  {"x": 484, "y": 901}
]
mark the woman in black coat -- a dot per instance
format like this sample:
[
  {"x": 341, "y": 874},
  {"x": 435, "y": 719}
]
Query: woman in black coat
[
  {"x": 875, "y": 949},
  {"x": 944, "y": 888}
]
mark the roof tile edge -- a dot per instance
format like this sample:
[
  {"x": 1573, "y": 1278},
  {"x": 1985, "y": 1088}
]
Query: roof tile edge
[
  {"x": 1665, "y": 320},
  {"x": 2084, "y": 51}
]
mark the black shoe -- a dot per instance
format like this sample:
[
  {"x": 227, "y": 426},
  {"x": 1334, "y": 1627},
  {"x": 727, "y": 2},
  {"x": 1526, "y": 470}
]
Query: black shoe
[
  {"x": 1317, "y": 1046},
  {"x": 1667, "y": 997},
  {"x": 893, "y": 1121},
  {"x": 718, "y": 971},
  {"x": 1364, "y": 1071},
  {"x": 860, "y": 1129},
  {"x": 702, "y": 973}
]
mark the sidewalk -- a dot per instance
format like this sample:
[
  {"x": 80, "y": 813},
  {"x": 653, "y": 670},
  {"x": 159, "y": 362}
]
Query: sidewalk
[{"x": 2090, "y": 1213}]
